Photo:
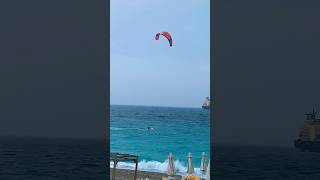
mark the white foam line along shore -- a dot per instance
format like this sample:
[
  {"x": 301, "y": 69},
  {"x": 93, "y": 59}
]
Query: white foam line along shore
[{"x": 156, "y": 166}]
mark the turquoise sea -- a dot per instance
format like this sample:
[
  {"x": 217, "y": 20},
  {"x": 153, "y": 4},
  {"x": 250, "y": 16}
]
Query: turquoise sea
[{"x": 153, "y": 132}]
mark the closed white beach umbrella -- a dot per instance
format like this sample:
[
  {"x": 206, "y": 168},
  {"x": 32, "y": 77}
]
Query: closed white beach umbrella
[
  {"x": 171, "y": 168},
  {"x": 190, "y": 169},
  {"x": 203, "y": 166},
  {"x": 208, "y": 172}
]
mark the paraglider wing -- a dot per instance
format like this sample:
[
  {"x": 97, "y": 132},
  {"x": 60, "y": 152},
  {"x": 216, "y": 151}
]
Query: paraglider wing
[{"x": 166, "y": 35}]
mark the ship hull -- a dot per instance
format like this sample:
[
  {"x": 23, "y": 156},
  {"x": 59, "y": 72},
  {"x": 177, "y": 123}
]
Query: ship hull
[
  {"x": 205, "y": 107},
  {"x": 312, "y": 146}
]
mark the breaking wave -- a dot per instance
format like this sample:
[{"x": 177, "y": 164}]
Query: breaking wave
[{"x": 156, "y": 166}]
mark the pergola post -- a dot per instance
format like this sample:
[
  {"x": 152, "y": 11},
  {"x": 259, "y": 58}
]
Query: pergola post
[
  {"x": 136, "y": 170},
  {"x": 114, "y": 169}
]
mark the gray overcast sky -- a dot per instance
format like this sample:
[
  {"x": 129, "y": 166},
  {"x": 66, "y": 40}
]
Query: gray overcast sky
[
  {"x": 267, "y": 69},
  {"x": 149, "y": 72}
]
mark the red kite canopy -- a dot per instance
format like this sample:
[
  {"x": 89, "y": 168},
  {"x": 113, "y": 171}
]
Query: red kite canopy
[{"x": 166, "y": 35}]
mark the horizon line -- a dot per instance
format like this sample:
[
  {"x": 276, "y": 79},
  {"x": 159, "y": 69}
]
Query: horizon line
[{"x": 167, "y": 106}]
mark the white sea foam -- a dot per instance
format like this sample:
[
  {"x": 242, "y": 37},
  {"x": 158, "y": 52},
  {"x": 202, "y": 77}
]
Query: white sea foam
[
  {"x": 121, "y": 129},
  {"x": 156, "y": 166},
  {"x": 116, "y": 129}
]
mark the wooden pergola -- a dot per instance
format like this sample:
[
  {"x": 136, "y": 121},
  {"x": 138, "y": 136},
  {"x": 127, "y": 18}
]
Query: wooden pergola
[{"x": 118, "y": 157}]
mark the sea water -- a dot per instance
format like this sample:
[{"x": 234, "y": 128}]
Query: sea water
[
  {"x": 153, "y": 132},
  {"x": 244, "y": 162},
  {"x": 31, "y": 158},
  {"x": 55, "y": 159}
]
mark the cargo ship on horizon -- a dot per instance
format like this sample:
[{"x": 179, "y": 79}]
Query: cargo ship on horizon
[
  {"x": 206, "y": 104},
  {"x": 309, "y": 137}
]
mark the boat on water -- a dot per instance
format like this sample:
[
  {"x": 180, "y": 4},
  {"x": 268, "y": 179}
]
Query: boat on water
[
  {"x": 309, "y": 136},
  {"x": 206, "y": 104}
]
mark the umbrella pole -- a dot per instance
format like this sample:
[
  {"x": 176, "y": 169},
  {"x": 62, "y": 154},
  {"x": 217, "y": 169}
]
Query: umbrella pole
[{"x": 203, "y": 173}]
